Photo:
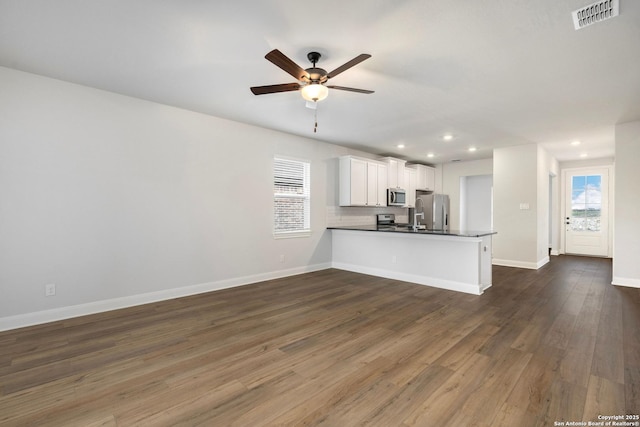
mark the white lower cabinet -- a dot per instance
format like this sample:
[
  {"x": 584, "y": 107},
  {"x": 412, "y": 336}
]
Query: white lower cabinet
[
  {"x": 456, "y": 263},
  {"x": 363, "y": 182}
]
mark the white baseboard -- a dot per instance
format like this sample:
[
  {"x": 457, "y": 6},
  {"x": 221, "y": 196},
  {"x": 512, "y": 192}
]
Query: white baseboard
[
  {"x": 520, "y": 264},
  {"x": 39, "y": 317},
  {"x": 555, "y": 252},
  {"x": 514, "y": 263},
  {"x": 625, "y": 281},
  {"x": 542, "y": 262},
  {"x": 420, "y": 280}
]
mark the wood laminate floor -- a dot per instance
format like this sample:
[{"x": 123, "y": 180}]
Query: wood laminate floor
[{"x": 340, "y": 349}]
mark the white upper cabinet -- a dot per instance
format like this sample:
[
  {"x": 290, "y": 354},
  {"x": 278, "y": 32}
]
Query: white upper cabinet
[
  {"x": 425, "y": 177},
  {"x": 410, "y": 186},
  {"x": 395, "y": 172},
  {"x": 431, "y": 179},
  {"x": 363, "y": 182},
  {"x": 376, "y": 184},
  {"x": 353, "y": 182}
]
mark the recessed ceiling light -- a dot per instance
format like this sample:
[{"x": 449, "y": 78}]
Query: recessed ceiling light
[
  {"x": 583, "y": 155},
  {"x": 447, "y": 137},
  {"x": 576, "y": 142},
  {"x": 400, "y": 145},
  {"x": 472, "y": 149},
  {"x": 430, "y": 155}
]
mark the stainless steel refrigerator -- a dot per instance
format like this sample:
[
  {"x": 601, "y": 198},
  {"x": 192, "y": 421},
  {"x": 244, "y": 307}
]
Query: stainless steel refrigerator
[{"x": 435, "y": 208}]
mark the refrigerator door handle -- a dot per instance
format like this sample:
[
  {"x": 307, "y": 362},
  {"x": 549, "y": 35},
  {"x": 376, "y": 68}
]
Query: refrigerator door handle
[{"x": 445, "y": 209}]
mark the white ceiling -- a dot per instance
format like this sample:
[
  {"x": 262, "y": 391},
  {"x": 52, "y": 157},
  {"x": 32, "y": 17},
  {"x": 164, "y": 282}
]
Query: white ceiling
[{"x": 491, "y": 73}]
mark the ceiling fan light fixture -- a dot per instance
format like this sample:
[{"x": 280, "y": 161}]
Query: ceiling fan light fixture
[{"x": 314, "y": 92}]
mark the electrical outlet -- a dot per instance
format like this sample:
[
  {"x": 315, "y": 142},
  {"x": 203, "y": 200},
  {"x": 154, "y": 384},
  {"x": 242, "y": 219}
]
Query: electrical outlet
[
  {"x": 281, "y": 258},
  {"x": 50, "y": 290},
  {"x": 393, "y": 259}
]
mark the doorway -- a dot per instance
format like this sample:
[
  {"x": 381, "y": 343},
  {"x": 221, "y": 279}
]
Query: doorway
[
  {"x": 554, "y": 215},
  {"x": 586, "y": 218},
  {"x": 476, "y": 202}
]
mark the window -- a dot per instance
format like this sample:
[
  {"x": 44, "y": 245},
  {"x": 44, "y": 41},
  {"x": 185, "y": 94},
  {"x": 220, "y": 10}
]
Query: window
[
  {"x": 586, "y": 202},
  {"x": 291, "y": 198}
]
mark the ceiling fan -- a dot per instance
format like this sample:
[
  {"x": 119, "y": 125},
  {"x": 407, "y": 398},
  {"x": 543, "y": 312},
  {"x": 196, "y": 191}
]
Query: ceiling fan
[{"x": 312, "y": 81}]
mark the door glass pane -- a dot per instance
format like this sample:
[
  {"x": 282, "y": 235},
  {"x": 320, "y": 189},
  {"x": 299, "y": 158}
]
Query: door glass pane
[{"x": 586, "y": 202}]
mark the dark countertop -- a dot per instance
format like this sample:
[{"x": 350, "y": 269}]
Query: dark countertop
[{"x": 409, "y": 230}]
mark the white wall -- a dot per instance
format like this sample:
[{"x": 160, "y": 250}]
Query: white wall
[
  {"x": 522, "y": 205},
  {"x": 626, "y": 268},
  {"x": 450, "y": 178},
  {"x": 555, "y": 212},
  {"x": 543, "y": 206},
  {"x": 585, "y": 163},
  {"x": 515, "y": 181},
  {"x": 121, "y": 201}
]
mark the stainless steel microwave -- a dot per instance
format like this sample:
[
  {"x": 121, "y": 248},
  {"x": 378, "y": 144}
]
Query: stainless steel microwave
[{"x": 396, "y": 197}]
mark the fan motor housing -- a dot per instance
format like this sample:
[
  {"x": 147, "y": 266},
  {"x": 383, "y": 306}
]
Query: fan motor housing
[{"x": 317, "y": 75}]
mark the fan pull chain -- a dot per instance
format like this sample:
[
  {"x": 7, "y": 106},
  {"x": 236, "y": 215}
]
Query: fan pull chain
[{"x": 315, "y": 117}]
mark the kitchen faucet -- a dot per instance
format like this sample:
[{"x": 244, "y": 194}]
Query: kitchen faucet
[
  {"x": 415, "y": 220},
  {"x": 422, "y": 203},
  {"x": 421, "y": 214}
]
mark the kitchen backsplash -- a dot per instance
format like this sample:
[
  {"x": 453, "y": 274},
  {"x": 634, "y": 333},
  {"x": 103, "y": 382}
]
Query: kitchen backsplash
[{"x": 349, "y": 215}]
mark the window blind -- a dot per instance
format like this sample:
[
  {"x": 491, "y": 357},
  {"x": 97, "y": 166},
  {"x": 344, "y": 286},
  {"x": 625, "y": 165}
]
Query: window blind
[{"x": 291, "y": 197}]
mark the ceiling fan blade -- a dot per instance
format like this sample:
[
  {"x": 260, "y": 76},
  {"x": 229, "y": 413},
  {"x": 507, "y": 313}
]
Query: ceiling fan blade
[
  {"x": 355, "y": 61},
  {"x": 351, "y": 89},
  {"x": 282, "y": 61},
  {"x": 285, "y": 87}
]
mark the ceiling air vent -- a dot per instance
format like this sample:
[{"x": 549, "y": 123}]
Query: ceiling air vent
[{"x": 596, "y": 12}]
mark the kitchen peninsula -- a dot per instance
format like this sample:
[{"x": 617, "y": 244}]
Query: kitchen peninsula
[{"x": 454, "y": 260}]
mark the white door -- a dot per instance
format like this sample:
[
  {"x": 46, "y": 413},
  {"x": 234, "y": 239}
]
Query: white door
[{"x": 587, "y": 212}]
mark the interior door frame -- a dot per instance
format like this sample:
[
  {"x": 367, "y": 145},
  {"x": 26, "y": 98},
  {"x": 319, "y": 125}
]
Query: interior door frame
[{"x": 610, "y": 196}]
